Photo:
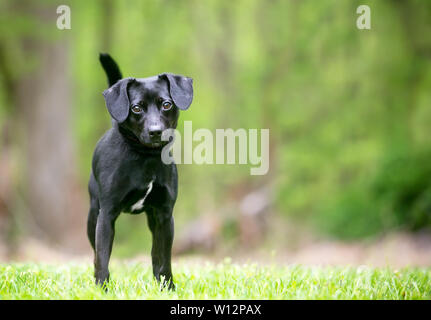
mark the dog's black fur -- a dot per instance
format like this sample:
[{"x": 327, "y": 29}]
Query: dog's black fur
[{"x": 128, "y": 174}]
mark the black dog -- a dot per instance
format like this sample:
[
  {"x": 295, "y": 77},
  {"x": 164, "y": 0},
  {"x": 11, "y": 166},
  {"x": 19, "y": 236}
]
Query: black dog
[{"x": 128, "y": 174}]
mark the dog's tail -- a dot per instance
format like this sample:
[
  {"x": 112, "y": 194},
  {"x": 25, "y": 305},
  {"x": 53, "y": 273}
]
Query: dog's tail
[{"x": 111, "y": 68}]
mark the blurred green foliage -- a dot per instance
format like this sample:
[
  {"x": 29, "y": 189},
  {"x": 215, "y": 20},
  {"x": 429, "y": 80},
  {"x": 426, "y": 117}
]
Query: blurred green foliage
[{"x": 349, "y": 111}]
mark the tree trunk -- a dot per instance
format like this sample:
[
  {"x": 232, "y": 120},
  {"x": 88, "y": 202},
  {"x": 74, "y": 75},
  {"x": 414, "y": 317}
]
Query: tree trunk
[{"x": 44, "y": 103}]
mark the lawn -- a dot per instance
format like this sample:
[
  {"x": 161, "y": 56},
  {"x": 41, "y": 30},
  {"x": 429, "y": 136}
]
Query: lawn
[{"x": 132, "y": 280}]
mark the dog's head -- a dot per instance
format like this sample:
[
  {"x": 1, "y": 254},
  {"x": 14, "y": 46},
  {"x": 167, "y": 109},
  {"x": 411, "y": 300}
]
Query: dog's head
[{"x": 148, "y": 106}]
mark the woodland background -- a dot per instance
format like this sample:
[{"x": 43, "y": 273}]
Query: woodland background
[{"x": 349, "y": 113}]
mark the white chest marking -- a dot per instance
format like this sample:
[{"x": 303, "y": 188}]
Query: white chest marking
[{"x": 139, "y": 205}]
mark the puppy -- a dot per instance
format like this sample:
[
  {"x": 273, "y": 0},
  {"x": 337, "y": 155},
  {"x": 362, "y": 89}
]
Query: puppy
[{"x": 128, "y": 174}]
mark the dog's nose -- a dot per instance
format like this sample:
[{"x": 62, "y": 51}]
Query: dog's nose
[{"x": 155, "y": 131}]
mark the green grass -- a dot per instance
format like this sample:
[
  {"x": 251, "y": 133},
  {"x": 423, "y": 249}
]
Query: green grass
[{"x": 214, "y": 281}]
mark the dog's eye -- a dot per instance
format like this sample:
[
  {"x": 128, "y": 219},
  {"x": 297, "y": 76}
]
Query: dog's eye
[
  {"x": 166, "y": 105},
  {"x": 136, "y": 108}
]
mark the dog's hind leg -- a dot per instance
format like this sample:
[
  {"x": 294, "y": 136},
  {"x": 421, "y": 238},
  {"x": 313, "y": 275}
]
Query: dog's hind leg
[
  {"x": 94, "y": 211},
  {"x": 92, "y": 221},
  {"x": 162, "y": 229}
]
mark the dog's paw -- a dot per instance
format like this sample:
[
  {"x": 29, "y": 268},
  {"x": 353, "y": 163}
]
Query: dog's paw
[
  {"x": 166, "y": 284},
  {"x": 102, "y": 281}
]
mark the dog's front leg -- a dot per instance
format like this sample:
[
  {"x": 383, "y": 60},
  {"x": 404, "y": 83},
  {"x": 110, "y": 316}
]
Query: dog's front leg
[
  {"x": 162, "y": 228},
  {"x": 105, "y": 230}
]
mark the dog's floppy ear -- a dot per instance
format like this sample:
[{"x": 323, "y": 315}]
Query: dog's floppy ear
[
  {"x": 181, "y": 89},
  {"x": 117, "y": 100}
]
